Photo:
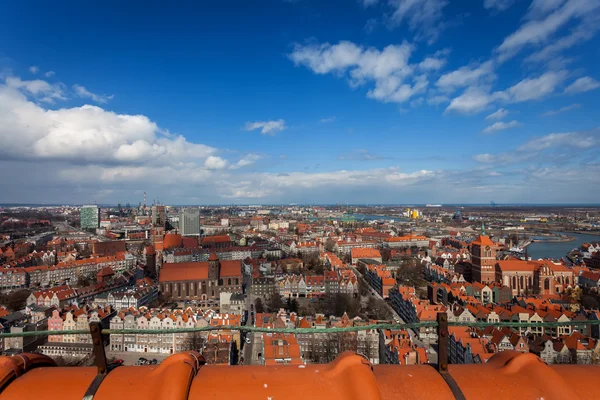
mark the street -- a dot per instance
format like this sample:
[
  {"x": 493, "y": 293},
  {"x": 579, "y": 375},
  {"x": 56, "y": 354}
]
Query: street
[
  {"x": 250, "y": 351},
  {"x": 432, "y": 356}
]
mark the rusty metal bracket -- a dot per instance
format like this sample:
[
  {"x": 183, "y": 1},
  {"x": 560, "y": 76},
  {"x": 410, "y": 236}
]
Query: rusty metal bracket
[
  {"x": 443, "y": 347},
  {"x": 100, "y": 360}
]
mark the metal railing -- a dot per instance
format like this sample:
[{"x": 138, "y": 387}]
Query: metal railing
[
  {"x": 391, "y": 326},
  {"x": 442, "y": 325}
]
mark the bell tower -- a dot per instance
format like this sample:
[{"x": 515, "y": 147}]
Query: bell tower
[{"x": 483, "y": 258}]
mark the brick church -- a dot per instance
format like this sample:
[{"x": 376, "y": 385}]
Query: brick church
[
  {"x": 202, "y": 281},
  {"x": 521, "y": 276}
]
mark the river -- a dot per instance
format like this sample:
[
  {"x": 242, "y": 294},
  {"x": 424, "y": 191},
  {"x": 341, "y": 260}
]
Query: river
[{"x": 558, "y": 250}]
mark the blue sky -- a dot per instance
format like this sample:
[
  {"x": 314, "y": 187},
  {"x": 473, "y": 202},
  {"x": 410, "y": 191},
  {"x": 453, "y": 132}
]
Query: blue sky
[{"x": 371, "y": 101}]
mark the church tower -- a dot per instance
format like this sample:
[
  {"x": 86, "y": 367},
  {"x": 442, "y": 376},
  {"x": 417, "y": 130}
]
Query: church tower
[
  {"x": 483, "y": 258},
  {"x": 214, "y": 272}
]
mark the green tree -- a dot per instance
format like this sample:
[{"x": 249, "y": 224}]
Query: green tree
[
  {"x": 83, "y": 281},
  {"x": 275, "y": 303},
  {"x": 259, "y": 307},
  {"x": 292, "y": 305},
  {"x": 377, "y": 309},
  {"x": 330, "y": 245},
  {"x": 15, "y": 300}
]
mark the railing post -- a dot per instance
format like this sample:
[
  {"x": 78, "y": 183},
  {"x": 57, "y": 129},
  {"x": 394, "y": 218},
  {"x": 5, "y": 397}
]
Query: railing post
[
  {"x": 100, "y": 360},
  {"x": 442, "y": 366},
  {"x": 99, "y": 352},
  {"x": 442, "y": 333}
]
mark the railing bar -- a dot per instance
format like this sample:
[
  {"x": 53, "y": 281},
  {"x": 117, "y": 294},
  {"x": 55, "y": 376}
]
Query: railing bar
[{"x": 305, "y": 330}]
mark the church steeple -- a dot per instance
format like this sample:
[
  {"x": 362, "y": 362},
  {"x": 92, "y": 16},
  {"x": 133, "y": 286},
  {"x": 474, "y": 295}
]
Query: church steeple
[{"x": 482, "y": 229}]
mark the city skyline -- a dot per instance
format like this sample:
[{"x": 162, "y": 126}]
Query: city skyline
[{"x": 280, "y": 102}]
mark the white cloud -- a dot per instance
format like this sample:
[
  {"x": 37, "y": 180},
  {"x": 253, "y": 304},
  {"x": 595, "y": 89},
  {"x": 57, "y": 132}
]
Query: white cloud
[
  {"x": 577, "y": 140},
  {"x": 343, "y": 178},
  {"x": 437, "y": 100},
  {"x": 535, "y": 88},
  {"x": 39, "y": 89},
  {"x": 473, "y": 100},
  {"x": 424, "y": 17},
  {"x": 501, "y": 113},
  {"x": 498, "y": 5},
  {"x": 584, "y": 84},
  {"x": 86, "y": 134},
  {"x": 484, "y": 158},
  {"x": 82, "y": 92},
  {"x": 266, "y": 127},
  {"x": 578, "y": 35},
  {"x": 49, "y": 74},
  {"x": 561, "y": 110},
  {"x": 540, "y": 29},
  {"x": 247, "y": 160},
  {"x": 391, "y": 89},
  {"x": 500, "y": 126},
  {"x": 361, "y": 155},
  {"x": 541, "y": 8},
  {"x": 327, "y": 120},
  {"x": 389, "y": 68},
  {"x": 466, "y": 76},
  {"x": 477, "y": 98},
  {"x": 432, "y": 64},
  {"x": 34, "y": 70},
  {"x": 214, "y": 162}
]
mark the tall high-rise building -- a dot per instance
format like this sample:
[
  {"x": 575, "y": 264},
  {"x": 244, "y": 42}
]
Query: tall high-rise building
[
  {"x": 89, "y": 217},
  {"x": 189, "y": 221},
  {"x": 159, "y": 215}
]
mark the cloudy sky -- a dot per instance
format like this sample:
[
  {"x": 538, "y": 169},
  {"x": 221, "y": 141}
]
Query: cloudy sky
[{"x": 306, "y": 101}]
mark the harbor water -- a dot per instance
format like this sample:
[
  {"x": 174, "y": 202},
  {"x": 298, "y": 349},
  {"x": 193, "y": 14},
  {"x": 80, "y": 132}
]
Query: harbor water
[{"x": 556, "y": 250}]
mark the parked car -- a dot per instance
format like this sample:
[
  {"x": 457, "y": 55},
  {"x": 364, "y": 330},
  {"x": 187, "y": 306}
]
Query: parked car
[
  {"x": 141, "y": 361},
  {"x": 115, "y": 364},
  {"x": 248, "y": 340},
  {"x": 154, "y": 361}
]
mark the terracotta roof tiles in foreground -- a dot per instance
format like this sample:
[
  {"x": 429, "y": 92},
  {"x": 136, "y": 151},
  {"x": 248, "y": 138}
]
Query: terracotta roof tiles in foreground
[{"x": 507, "y": 375}]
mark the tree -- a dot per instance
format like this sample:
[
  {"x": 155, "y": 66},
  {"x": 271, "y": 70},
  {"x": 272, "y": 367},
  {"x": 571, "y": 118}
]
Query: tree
[
  {"x": 363, "y": 288},
  {"x": 15, "y": 300},
  {"x": 22, "y": 251},
  {"x": 377, "y": 309},
  {"x": 386, "y": 254},
  {"x": 259, "y": 307},
  {"x": 292, "y": 305},
  {"x": 319, "y": 269},
  {"x": 83, "y": 281},
  {"x": 274, "y": 303},
  {"x": 411, "y": 273},
  {"x": 330, "y": 245}
]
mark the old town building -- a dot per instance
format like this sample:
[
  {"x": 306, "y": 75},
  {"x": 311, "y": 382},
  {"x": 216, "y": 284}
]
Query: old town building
[{"x": 201, "y": 281}]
